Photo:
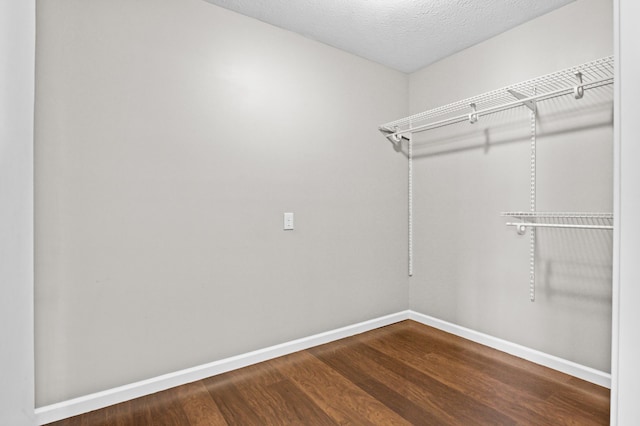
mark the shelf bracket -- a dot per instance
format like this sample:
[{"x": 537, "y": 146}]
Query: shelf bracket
[
  {"x": 531, "y": 104},
  {"x": 394, "y": 137}
]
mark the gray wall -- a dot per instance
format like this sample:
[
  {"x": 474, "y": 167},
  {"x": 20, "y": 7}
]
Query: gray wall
[
  {"x": 470, "y": 268},
  {"x": 17, "y": 54},
  {"x": 171, "y": 135}
]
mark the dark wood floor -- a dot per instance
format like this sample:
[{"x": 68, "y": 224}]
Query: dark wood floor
[{"x": 406, "y": 373}]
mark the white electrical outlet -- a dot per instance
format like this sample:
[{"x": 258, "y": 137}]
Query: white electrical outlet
[{"x": 288, "y": 221}]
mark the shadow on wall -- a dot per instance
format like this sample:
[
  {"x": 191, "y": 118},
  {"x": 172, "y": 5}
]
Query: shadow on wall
[{"x": 574, "y": 265}]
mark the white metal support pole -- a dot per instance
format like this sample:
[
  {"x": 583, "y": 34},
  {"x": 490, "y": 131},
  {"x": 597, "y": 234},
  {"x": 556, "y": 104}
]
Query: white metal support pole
[
  {"x": 410, "y": 202},
  {"x": 532, "y": 206}
]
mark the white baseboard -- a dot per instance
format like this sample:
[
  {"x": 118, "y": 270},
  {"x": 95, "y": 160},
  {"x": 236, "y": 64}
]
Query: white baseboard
[
  {"x": 95, "y": 401},
  {"x": 577, "y": 370}
]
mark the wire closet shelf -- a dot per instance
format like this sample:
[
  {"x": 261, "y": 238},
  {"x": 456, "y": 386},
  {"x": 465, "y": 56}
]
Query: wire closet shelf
[
  {"x": 565, "y": 84},
  {"x": 575, "y": 220},
  {"x": 571, "y": 81}
]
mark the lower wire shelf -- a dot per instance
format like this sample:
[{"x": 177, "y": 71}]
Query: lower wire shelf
[{"x": 575, "y": 220}]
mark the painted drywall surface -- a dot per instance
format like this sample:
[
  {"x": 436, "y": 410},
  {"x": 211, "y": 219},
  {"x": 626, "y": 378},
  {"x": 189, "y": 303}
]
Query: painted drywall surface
[
  {"x": 626, "y": 375},
  {"x": 471, "y": 269},
  {"x": 17, "y": 54},
  {"x": 170, "y": 138}
]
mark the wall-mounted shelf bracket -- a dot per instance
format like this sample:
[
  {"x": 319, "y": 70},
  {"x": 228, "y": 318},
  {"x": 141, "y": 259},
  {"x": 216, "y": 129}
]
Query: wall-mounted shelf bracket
[
  {"x": 394, "y": 137},
  {"x": 529, "y": 103}
]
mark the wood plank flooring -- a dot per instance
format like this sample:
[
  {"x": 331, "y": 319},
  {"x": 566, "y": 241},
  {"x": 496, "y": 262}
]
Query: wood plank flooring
[{"x": 403, "y": 374}]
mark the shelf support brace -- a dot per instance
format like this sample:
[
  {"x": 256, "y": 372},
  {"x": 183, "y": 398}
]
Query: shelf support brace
[
  {"x": 531, "y": 104},
  {"x": 394, "y": 137}
]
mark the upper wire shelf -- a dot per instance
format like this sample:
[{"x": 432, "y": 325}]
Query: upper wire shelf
[{"x": 571, "y": 81}]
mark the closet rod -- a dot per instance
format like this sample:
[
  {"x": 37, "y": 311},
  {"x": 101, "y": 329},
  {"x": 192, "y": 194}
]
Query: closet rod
[
  {"x": 521, "y": 225},
  {"x": 474, "y": 115}
]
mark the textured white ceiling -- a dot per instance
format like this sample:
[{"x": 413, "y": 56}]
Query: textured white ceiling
[{"x": 403, "y": 34}]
